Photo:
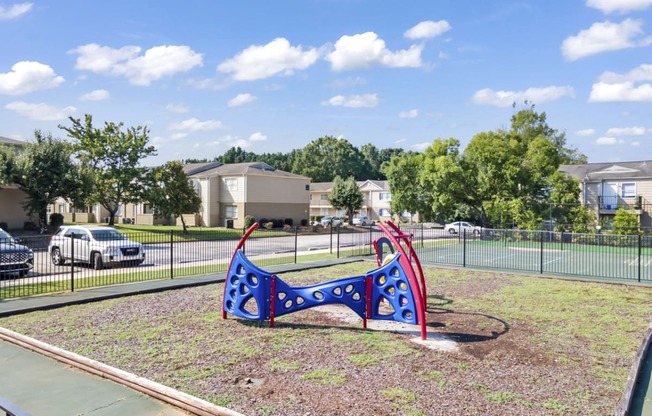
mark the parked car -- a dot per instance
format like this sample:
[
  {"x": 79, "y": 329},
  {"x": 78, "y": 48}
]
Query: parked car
[
  {"x": 331, "y": 220},
  {"x": 461, "y": 226},
  {"x": 363, "y": 220},
  {"x": 96, "y": 245},
  {"x": 15, "y": 258}
]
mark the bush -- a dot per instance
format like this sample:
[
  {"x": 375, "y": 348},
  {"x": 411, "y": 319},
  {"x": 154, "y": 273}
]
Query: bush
[
  {"x": 278, "y": 223},
  {"x": 249, "y": 221},
  {"x": 4, "y": 226},
  {"x": 288, "y": 221},
  {"x": 56, "y": 220},
  {"x": 263, "y": 221},
  {"x": 304, "y": 222},
  {"x": 30, "y": 226}
]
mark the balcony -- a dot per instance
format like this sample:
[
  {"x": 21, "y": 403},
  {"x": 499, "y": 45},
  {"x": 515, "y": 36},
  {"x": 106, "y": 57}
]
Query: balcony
[{"x": 609, "y": 204}]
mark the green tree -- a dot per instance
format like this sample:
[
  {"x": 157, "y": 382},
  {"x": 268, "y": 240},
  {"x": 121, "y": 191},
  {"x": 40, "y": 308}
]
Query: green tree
[
  {"x": 44, "y": 171},
  {"x": 376, "y": 160},
  {"x": 327, "y": 157},
  {"x": 403, "y": 173},
  {"x": 113, "y": 156},
  {"x": 345, "y": 195},
  {"x": 625, "y": 222},
  {"x": 171, "y": 194}
]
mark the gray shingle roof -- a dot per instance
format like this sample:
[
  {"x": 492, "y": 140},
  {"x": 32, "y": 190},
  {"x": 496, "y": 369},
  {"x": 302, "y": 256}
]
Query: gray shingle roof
[
  {"x": 595, "y": 172},
  {"x": 7, "y": 140},
  {"x": 250, "y": 168}
]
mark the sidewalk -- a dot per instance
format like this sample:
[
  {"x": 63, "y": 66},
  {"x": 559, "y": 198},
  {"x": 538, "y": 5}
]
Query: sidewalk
[{"x": 38, "y": 385}]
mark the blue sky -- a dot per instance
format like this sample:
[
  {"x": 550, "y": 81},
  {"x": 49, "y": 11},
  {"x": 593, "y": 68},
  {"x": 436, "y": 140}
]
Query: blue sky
[{"x": 271, "y": 76}]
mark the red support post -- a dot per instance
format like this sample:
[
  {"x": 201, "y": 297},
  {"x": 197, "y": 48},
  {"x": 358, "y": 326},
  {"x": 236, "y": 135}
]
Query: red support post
[{"x": 272, "y": 295}]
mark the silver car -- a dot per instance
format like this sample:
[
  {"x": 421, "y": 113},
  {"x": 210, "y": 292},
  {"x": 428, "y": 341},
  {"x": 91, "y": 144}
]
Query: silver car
[
  {"x": 95, "y": 245},
  {"x": 461, "y": 226}
]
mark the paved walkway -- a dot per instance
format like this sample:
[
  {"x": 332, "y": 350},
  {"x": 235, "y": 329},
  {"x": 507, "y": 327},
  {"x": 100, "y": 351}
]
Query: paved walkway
[{"x": 38, "y": 385}]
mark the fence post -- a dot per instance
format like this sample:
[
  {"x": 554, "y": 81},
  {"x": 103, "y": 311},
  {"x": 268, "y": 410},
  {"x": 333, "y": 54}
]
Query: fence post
[
  {"x": 541, "y": 238},
  {"x": 331, "y": 228},
  {"x": 464, "y": 250},
  {"x": 171, "y": 254},
  {"x": 639, "y": 258},
  {"x": 371, "y": 242},
  {"x": 338, "y": 241},
  {"x": 296, "y": 238},
  {"x": 562, "y": 241},
  {"x": 72, "y": 263},
  {"x": 422, "y": 239}
]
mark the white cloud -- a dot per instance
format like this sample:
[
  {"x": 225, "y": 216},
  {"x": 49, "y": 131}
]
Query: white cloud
[
  {"x": 177, "y": 108},
  {"x": 96, "y": 95},
  {"x": 488, "y": 96},
  {"x": 353, "y": 101},
  {"x": 365, "y": 50},
  {"x": 585, "y": 132},
  {"x": 608, "y": 141},
  {"x": 257, "y": 137},
  {"x": 277, "y": 57},
  {"x": 427, "y": 29},
  {"x": 421, "y": 146},
  {"x": 620, "y": 6},
  {"x": 242, "y": 99},
  {"x": 41, "y": 111},
  {"x": 602, "y": 37},
  {"x": 154, "y": 64},
  {"x": 194, "y": 124},
  {"x": 14, "y": 11},
  {"x": 28, "y": 76},
  {"x": 623, "y": 91},
  {"x": 636, "y": 143},
  {"x": 399, "y": 141},
  {"x": 640, "y": 73},
  {"x": 414, "y": 113},
  {"x": 626, "y": 131}
]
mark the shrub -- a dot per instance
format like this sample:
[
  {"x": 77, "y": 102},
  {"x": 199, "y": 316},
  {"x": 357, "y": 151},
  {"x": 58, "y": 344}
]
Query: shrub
[
  {"x": 304, "y": 222},
  {"x": 289, "y": 221},
  {"x": 30, "y": 226},
  {"x": 278, "y": 223},
  {"x": 249, "y": 221},
  {"x": 263, "y": 221},
  {"x": 4, "y": 226},
  {"x": 56, "y": 220}
]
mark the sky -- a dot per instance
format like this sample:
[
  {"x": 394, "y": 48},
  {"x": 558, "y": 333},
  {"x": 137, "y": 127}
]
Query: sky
[{"x": 272, "y": 76}]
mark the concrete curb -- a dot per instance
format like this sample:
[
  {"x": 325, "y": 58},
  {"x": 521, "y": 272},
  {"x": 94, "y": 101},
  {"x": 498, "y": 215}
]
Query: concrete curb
[{"x": 624, "y": 406}]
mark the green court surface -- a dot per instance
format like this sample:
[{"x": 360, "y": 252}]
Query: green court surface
[{"x": 623, "y": 264}]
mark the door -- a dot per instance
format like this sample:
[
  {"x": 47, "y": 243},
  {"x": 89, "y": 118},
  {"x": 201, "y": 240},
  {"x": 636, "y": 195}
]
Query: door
[{"x": 609, "y": 195}]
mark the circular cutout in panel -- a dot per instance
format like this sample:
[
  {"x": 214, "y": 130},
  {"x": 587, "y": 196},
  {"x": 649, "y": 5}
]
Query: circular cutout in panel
[
  {"x": 356, "y": 296},
  {"x": 407, "y": 315},
  {"x": 252, "y": 280},
  {"x": 300, "y": 300},
  {"x": 281, "y": 295},
  {"x": 233, "y": 294},
  {"x": 318, "y": 295},
  {"x": 229, "y": 305},
  {"x": 240, "y": 270},
  {"x": 402, "y": 300},
  {"x": 235, "y": 281},
  {"x": 402, "y": 286},
  {"x": 390, "y": 291},
  {"x": 348, "y": 288},
  {"x": 244, "y": 289},
  {"x": 381, "y": 280},
  {"x": 337, "y": 291},
  {"x": 288, "y": 304},
  {"x": 395, "y": 272}
]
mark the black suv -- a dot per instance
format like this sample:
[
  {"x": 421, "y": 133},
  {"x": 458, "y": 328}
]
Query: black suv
[{"x": 14, "y": 258}]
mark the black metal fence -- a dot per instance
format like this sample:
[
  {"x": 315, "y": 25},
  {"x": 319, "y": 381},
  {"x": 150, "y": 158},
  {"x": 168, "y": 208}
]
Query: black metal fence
[{"x": 171, "y": 255}]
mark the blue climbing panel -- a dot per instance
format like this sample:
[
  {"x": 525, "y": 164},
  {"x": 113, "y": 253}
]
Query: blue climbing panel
[
  {"x": 390, "y": 282},
  {"x": 247, "y": 283}
]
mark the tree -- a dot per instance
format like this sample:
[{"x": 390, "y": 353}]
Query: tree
[
  {"x": 346, "y": 195},
  {"x": 113, "y": 156},
  {"x": 403, "y": 173},
  {"x": 625, "y": 222},
  {"x": 327, "y": 157},
  {"x": 377, "y": 159},
  {"x": 44, "y": 171},
  {"x": 170, "y": 192}
]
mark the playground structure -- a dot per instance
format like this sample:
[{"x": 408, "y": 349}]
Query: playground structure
[{"x": 253, "y": 293}]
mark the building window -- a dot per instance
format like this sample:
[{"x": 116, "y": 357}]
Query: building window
[
  {"x": 385, "y": 196},
  {"x": 323, "y": 197},
  {"x": 307, "y": 187},
  {"x": 231, "y": 211},
  {"x": 231, "y": 184},
  {"x": 628, "y": 190},
  {"x": 61, "y": 209},
  {"x": 384, "y": 213},
  {"x": 147, "y": 209}
]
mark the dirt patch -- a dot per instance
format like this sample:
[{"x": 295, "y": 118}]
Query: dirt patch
[{"x": 523, "y": 346}]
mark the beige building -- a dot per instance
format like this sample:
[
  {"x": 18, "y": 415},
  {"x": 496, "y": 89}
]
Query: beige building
[
  {"x": 229, "y": 192},
  {"x": 375, "y": 204},
  {"x": 605, "y": 187},
  {"x": 12, "y": 199}
]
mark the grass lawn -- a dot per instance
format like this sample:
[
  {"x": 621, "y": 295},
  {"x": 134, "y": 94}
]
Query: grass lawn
[{"x": 525, "y": 345}]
